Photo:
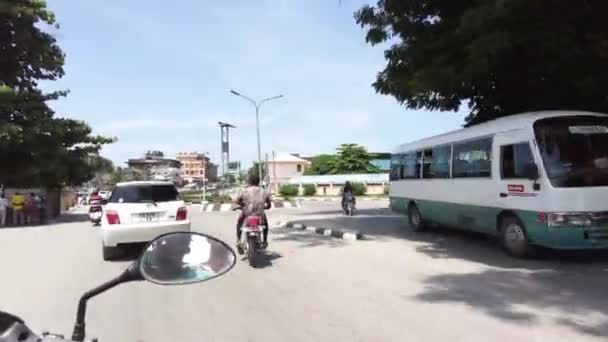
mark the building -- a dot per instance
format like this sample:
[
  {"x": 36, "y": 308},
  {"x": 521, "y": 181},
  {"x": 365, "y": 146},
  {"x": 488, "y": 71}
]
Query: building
[
  {"x": 196, "y": 165},
  {"x": 153, "y": 160},
  {"x": 283, "y": 167}
]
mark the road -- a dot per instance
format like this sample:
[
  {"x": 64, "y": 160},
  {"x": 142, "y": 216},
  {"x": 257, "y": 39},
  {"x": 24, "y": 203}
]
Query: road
[{"x": 393, "y": 286}]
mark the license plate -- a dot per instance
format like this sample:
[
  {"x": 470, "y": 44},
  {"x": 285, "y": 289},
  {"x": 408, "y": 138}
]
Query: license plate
[{"x": 148, "y": 217}]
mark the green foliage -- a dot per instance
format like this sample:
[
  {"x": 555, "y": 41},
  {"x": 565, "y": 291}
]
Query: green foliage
[
  {"x": 498, "y": 57},
  {"x": 359, "y": 189},
  {"x": 352, "y": 158},
  {"x": 288, "y": 190},
  {"x": 310, "y": 190},
  {"x": 230, "y": 178},
  {"x": 321, "y": 165},
  {"x": 37, "y": 148}
]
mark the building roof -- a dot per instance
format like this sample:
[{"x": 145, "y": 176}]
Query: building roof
[
  {"x": 369, "y": 178},
  {"x": 288, "y": 158},
  {"x": 503, "y": 124}
]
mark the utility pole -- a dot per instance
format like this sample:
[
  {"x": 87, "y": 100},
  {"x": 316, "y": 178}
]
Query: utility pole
[
  {"x": 225, "y": 127},
  {"x": 257, "y": 106},
  {"x": 274, "y": 172}
]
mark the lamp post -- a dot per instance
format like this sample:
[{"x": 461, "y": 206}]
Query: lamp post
[{"x": 257, "y": 106}]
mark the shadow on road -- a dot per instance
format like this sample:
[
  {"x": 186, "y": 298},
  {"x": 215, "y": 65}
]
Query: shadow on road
[
  {"x": 567, "y": 288},
  {"x": 304, "y": 237},
  {"x": 265, "y": 259},
  {"x": 575, "y": 298}
]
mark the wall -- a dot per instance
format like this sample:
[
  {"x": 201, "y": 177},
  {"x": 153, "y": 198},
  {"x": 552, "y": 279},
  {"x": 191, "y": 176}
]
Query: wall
[
  {"x": 284, "y": 171},
  {"x": 336, "y": 190}
]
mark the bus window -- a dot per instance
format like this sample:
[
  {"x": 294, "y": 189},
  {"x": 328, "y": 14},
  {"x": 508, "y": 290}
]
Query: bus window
[
  {"x": 440, "y": 166},
  {"x": 411, "y": 167},
  {"x": 473, "y": 159},
  {"x": 514, "y": 159},
  {"x": 427, "y": 163}
]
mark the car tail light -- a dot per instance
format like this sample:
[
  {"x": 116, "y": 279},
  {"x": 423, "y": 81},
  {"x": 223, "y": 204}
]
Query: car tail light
[
  {"x": 182, "y": 214},
  {"x": 112, "y": 217}
]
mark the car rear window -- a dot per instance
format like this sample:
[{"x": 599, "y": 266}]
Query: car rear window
[{"x": 144, "y": 193}]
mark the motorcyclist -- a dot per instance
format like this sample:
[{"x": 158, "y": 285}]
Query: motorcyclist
[
  {"x": 95, "y": 198},
  {"x": 253, "y": 200},
  {"x": 346, "y": 192}
]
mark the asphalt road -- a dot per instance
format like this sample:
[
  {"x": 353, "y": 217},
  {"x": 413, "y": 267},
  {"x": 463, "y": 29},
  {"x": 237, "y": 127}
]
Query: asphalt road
[{"x": 393, "y": 286}]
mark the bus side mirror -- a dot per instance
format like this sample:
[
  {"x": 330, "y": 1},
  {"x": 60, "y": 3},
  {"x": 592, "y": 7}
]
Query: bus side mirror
[{"x": 531, "y": 172}]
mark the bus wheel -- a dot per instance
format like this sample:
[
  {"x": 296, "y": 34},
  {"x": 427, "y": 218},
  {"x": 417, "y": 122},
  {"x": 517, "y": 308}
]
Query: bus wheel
[
  {"x": 415, "y": 218},
  {"x": 513, "y": 237}
]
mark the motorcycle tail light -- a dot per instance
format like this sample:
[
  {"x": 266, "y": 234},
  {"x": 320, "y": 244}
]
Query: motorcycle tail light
[{"x": 252, "y": 221}]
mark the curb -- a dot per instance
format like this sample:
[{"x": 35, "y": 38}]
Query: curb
[
  {"x": 224, "y": 207},
  {"x": 336, "y": 233}
]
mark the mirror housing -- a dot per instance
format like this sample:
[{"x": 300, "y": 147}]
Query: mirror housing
[{"x": 531, "y": 171}]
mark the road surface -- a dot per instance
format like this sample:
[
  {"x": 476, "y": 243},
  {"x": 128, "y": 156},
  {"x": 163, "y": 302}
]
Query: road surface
[{"x": 393, "y": 286}]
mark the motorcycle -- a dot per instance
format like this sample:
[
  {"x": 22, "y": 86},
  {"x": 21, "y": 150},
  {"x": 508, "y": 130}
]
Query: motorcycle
[
  {"x": 252, "y": 241},
  {"x": 171, "y": 259},
  {"x": 95, "y": 212},
  {"x": 349, "y": 204}
]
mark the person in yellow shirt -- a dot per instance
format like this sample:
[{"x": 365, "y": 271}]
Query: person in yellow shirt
[{"x": 18, "y": 206}]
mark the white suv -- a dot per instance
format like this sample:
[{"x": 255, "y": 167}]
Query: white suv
[{"x": 139, "y": 212}]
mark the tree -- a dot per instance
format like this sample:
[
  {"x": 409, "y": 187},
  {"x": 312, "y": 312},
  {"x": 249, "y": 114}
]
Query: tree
[
  {"x": 320, "y": 165},
  {"x": 37, "y": 148},
  {"x": 498, "y": 57},
  {"x": 352, "y": 158}
]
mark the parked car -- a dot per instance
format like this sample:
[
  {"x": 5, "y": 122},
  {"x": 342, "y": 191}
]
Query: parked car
[{"x": 139, "y": 212}]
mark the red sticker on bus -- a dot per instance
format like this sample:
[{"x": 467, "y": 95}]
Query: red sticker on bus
[{"x": 515, "y": 188}]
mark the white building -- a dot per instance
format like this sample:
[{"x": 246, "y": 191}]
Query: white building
[{"x": 284, "y": 167}]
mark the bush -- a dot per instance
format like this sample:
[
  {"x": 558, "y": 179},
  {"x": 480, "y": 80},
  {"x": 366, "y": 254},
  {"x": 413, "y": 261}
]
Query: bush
[
  {"x": 289, "y": 190},
  {"x": 359, "y": 189},
  {"x": 310, "y": 190}
]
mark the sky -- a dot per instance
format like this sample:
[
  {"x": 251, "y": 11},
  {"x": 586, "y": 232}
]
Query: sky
[{"x": 157, "y": 76}]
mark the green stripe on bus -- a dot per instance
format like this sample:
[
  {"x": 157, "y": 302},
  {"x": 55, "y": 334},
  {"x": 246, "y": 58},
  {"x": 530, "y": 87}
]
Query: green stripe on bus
[{"x": 484, "y": 219}]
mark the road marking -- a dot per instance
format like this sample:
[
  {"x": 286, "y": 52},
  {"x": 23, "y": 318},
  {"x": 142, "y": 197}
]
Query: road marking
[
  {"x": 225, "y": 207},
  {"x": 209, "y": 208},
  {"x": 327, "y": 232},
  {"x": 287, "y": 204}
]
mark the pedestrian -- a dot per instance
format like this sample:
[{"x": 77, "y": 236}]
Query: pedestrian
[
  {"x": 31, "y": 208},
  {"x": 41, "y": 207},
  {"x": 3, "y": 209},
  {"x": 18, "y": 206}
]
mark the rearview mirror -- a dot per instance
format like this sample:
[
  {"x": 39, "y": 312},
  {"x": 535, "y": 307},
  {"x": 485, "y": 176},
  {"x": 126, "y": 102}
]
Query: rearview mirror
[
  {"x": 185, "y": 258},
  {"x": 531, "y": 171},
  {"x": 171, "y": 259}
]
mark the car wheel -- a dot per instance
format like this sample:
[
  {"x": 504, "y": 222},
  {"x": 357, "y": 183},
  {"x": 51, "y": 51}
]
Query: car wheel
[
  {"x": 514, "y": 239},
  {"x": 110, "y": 253},
  {"x": 415, "y": 218}
]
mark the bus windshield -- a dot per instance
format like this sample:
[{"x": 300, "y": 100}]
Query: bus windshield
[{"x": 574, "y": 150}]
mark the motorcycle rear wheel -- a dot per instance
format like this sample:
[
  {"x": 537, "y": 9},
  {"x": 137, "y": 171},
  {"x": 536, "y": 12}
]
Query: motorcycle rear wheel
[{"x": 251, "y": 252}]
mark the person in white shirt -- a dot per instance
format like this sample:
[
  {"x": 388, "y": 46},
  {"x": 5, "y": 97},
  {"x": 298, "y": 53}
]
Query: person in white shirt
[{"x": 3, "y": 208}]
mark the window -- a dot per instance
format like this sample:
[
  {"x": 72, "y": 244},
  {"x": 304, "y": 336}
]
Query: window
[
  {"x": 411, "y": 165},
  {"x": 514, "y": 159},
  {"x": 440, "y": 165},
  {"x": 426, "y": 164},
  {"x": 299, "y": 167},
  {"x": 473, "y": 159},
  {"x": 144, "y": 193},
  {"x": 396, "y": 167}
]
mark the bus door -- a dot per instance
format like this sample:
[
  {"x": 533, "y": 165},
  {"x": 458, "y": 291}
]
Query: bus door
[{"x": 516, "y": 171}]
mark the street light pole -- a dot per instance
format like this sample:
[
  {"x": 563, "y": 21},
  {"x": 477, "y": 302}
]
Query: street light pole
[{"x": 257, "y": 106}]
